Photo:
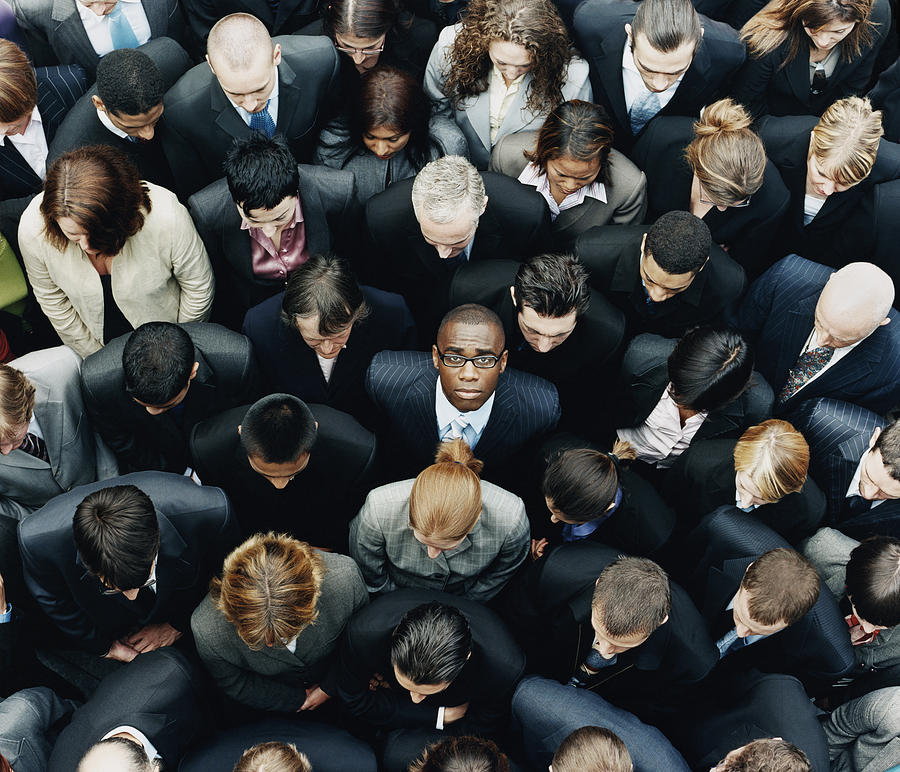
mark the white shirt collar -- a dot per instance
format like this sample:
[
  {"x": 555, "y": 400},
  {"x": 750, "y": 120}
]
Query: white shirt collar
[
  {"x": 28, "y": 138},
  {"x": 532, "y": 175},
  {"x": 446, "y": 413},
  {"x": 853, "y": 489},
  {"x": 104, "y": 119},
  {"x": 149, "y": 748}
]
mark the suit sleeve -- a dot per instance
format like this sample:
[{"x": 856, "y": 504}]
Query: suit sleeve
[
  {"x": 512, "y": 554},
  {"x": 368, "y": 547},
  {"x": 634, "y": 208},
  {"x": 434, "y": 77},
  {"x": 12, "y": 508},
  {"x": 192, "y": 270}
]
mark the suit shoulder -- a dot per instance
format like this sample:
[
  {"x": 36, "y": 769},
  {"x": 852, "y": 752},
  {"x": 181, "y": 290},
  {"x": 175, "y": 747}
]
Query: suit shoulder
[
  {"x": 411, "y": 362},
  {"x": 341, "y": 572},
  {"x": 325, "y": 179},
  {"x": 507, "y": 193},
  {"x": 216, "y": 341},
  {"x": 299, "y": 49},
  {"x": 729, "y": 275},
  {"x": 61, "y": 363},
  {"x": 212, "y": 199},
  {"x": 504, "y": 505},
  {"x": 524, "y": 382},
  {"x": 391, "y": 496},
  {"x": 723, "y": 38},
  {"x": 648, "y": 349},
  {"x": 190, "y": 87}
]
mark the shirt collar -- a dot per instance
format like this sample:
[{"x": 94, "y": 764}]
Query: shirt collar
[
  {"x": 104, "y": 119},
  {"x": 496, "y": 74},
  {"x": 532, "y": 175},
  {"x": 446, "y": 413},
  {"x": 28, "y": 136}
]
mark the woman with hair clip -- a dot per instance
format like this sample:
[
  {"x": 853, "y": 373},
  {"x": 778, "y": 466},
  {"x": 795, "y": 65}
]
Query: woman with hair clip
[
  {"x": 595, "y": 496},
  {"x": 389, "y": 133},
  {"x": 715, "y": 168},
  {"x": 764, "y": 472},
  {"x": 446, "y": 530},
  {"x": 805, "y": 54},
  {"x": 503, "y": 69},
  {"x": 572, "y": 164}
]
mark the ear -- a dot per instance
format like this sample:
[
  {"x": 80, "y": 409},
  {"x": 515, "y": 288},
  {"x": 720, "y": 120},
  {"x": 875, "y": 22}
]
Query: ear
[
  {"x": 874, "y": 437},
  {"x": 483, "y": 206},
  {"x": 435, "y": 360},
  {"x": 628, "y": 34},
  {"x": 317, "y": 425},
  {"x": 665, "y": 620},
  {"x": 210, "y": 64},
  {"x": 702, "y": 31},
  {"x": 239, "y": 430},
  {"x": 194, "y": 371},
  {"x": 512, "y": 294},
  {"x": 886, "y": 320},
  {"x": 97, "y": 102},
  {"x": 611, "y": 505},
  {"x": 276, "y": 55},
  {"x": 643, "y": 244},
  {"x": 503, "y": 357}
]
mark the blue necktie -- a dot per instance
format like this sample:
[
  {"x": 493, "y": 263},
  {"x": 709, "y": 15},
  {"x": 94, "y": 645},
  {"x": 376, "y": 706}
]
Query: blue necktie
[
  {"x": 643, "y": 110},
  {"x": 120, "y": 30},
  {"x": 459, "y": 428},
  {"x": 262, "y": 121}
]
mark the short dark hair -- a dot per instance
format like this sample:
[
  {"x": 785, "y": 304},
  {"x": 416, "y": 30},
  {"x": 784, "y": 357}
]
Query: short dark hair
[
  {"x": 769, "y": 754},
  {"x": 679, "y": 242},
  {"x": 129, "y": 82},
  {"x": 709, "y": 367},
  {"x": 117, "y": 535},
  {"x": 474, "y": 315},
  {"x": 278, "y": 428},
  {"x": 873, "y": 580},
  {"x": 261, "y": 171},
  {"x": 667, "y": 24},
  {"x": 632, "y": 597},
  {"x": 157, "y": 361},
  {"x": 552, "y": 285},
  {"x": 431, "y": 644},
  {"x": 324, "y": 286},
  {"x": 783, "y": 586},
  {"x": 888, "y": 444}
]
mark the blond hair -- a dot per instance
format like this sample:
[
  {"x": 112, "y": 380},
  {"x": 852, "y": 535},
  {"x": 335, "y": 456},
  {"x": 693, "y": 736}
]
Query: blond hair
[
  {"x": 273, "y": 757},
  {"x": 16, "y": 401},
  {"x": 592, "y": 749},
  {"x": 845, "y": 140},
  {"x": 775, "y": 455}
]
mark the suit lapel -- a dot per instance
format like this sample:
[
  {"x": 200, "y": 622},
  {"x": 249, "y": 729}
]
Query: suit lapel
[
  {"x": 500, "y": 423},
  {"x": 290, "y": 98},
  {"x": 157, "y": 17},
  {"x": 50, "y": 418},
  {"x": 797, "y": 73},
  {"x": 172, "y": 571},
  {"x": 318, "y": 236},
  {"x": 421, "y": 420},
  {"x": 14, "y": 167},
  {"x": 227, "y": 117},
  {"x": 479, "y": 116},
  {"x": 70, "y": 35},
  {"x": 518, "y": 114},
  {"x": 797, "y": 327},
  {"x": 609, "y": 66}
]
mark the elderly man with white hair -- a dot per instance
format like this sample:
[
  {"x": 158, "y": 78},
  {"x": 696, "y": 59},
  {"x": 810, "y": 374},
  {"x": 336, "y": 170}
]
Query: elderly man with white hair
[{"x": 821, "y": 333}]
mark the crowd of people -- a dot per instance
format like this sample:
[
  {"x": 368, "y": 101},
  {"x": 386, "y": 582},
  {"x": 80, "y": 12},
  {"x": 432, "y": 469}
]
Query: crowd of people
[{"x": 466, "y": 386}]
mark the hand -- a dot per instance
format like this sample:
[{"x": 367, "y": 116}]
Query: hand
[
  {"x": 377, "y": 682},
  {"x": 537, "y": 548},
  {"x": 153, "y": 637},
  {"x": 455, "y": 713},
  {"x": 121, "y": 652},
  {"x": 2, "y": 596},
  {"x": 314, "y": 697}
]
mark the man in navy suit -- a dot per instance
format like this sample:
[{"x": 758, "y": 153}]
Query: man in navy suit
[
  {"x": 461, "y": 390},
  {"x": 820, "y": 333}
]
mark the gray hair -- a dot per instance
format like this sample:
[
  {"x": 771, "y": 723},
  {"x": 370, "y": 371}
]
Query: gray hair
[{"x": 444, "y": 186}]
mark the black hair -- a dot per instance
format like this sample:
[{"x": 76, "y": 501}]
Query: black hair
[
  {"x": 552, "y": 285},
  {"x": 157, "y": 361},
  {"x": 129, "y": 82},
  {"x": 709, "y": 367},
  {"x": 679, "y": 242},
  {"x": 873, "y": 580},
  {"x": 431, "y": 644},
  {"x": 278, "y": 428},
  {"x": 261, "y": 171},
  {"x": 888, "y": 444},
  {"x": 474, "y": 315},
  {"x": 581, "y": 483}
]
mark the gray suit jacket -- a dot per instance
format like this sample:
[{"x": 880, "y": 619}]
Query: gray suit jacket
[
  {"x": 274, "y": 678},
  {"x": 77, "y": 455},
  {"x": 27, "y": 730},
  {"x": 864, "y": 734},
  {"x": 390, "y": 556}
]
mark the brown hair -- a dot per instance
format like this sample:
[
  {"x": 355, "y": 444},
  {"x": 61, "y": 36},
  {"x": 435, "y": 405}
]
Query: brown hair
[
  {"x": 727, "y": 156},
  {"x": 784, "y": 20},
  {"x": 18, "y": 86},
  {"x": 101, "y": 190},
  {"x": 576, "y": 129},
  {"x": 273, "y": 757},
  {"x": 16, "y": 400},
  {"x": 845, "y": 140},
  {"x": 783, "y": 586},
  {"x": 770, "y": 754},
  {"x": 269, "y": 589},
  {"x": 462, "y": 754},
  {"x": 667, "y": 24},
  {"x": 445, "y": 500},
  {"x": 775, "y": 455},
  {"x": 632, "y": 597},
  {"x": 592, "y": 749},
  {"x": 534, "y": 24}
]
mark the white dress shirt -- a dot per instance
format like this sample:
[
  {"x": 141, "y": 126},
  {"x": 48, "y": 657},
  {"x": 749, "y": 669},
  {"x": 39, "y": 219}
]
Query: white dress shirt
[
  {"x": 811, "y": 207},
  {"x": 532, "y": 175},
  {"x": 107, "y": 123},
  {"x": 327, "y": 365},
  {"x": 853, "y": 490},
  {"x": 149, "y": 748},
  {"x": 634, "y": 83},
  {"x": 97, "y": 27},
  {"x": 272, "y": 108},
  {"x": 501, "y": 98},
  {"x": 446, "y": 414},
  {"x": 32, "y": 145}
]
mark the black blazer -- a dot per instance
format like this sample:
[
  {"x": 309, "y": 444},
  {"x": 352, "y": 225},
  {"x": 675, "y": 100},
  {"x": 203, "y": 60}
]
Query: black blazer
[
  {"x": 158, "y": 693},
  {"x": 318, "y": 504},
  {"x": 746, "y": 232},
  {"x": 515, "y": 225},
  {"x": 486, "y": 682},
  {"x": 885, "y": 96},
  {"x": 227, "y": 376},
  {"x": 612, "y": 253},
  {"x": 702, "y": 479},
  {"x": 200, "y": 124},
  {"x": 288, "y": 365},
  {"x": 599, "y": 30},
  {"x": 196, "y": 530},
  {"x": 290, "y": 16}
]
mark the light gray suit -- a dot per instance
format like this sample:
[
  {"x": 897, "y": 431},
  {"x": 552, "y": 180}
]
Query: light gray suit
[
  {"x": 77, "y": 455},
  {"x": 474, "y": 115},
  {"x": 274, "y": 678},
  {"x": 864, "y": 734}
]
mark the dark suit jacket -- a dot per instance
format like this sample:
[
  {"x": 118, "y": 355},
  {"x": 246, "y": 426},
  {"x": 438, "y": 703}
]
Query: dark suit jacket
[
  {"x": 330, "y": 219},
  {"x": 600, "y": 34},
  {"x": 702, "y": 479},
  {"x": 612, "y": 254},
  {"x": 747, "y": 232},
  {"x": 196, "y": 530},
  {"x": 200, "y": 123},
  {"x": 515, "y": 225},
  {"x": 318, "y": 504},
  {"x": 885, "y": 96},
  {"x": 290, "y": 16},
  {"x": 777, "y": 316},
  {"x": 227, "y": 376},
  {"x": 645, "y": 374},
  {"x": 714, "y": 559},
  {"x": 288, "y": 365},
  {"x": 486, "y": 682},
  {"x": 402, "y": 386},
  {"x": 14, "y": 588},
  {"x": 158, "y": 694}
]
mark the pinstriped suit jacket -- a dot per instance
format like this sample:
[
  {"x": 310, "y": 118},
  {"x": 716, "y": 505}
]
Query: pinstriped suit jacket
[
  {"x": 402, "y": 384},
  {"x": 777, "y": 316}
]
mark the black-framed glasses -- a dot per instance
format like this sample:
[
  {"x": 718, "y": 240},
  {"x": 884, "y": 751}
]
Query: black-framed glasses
[
  {"x": 482, "y": 361},
  {"x": 111, "y": 591}
]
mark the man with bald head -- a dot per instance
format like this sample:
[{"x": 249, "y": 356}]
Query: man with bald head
[
  {"x": 820, "y": 333},
  {"x": 249, "y": 82}
]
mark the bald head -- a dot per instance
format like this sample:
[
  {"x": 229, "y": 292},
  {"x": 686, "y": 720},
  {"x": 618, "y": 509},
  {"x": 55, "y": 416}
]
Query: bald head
[
  {"x": 237, "y": 42},
  {"x": 117, "y": 754},
  {"x": 854, "y": 302}
]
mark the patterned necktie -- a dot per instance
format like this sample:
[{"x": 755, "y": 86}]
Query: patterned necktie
[
  {"x": 643, "y": 110},
  {"x": 460, "y": 428},
  {"x": 35, "y": 446},
  {"x": 120, "y": 30},
  {"x": 807, "y": 366},
  {"x": 262, "y": 121}
]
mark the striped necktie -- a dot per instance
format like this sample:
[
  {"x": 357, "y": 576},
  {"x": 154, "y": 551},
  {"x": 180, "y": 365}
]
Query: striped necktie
[{"x": 35, "y": 446}]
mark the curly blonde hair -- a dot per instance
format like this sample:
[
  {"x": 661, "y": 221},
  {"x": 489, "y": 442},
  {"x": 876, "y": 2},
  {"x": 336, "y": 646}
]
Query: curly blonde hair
[{"x": 534, "y": 24}]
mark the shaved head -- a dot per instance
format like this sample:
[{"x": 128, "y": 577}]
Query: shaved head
[
  {"x": 854, "y": 302},
  {"x": 238, "y": 42}
]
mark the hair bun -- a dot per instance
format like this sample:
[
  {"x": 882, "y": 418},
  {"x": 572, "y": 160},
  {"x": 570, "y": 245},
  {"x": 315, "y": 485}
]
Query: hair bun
[
  {"x": 726, "y": 115},
  {"x": 458, "y": 452}
]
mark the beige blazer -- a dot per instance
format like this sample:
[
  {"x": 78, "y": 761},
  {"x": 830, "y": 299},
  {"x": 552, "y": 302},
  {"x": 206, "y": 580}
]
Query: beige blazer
[{"x": 162, "y": 274}]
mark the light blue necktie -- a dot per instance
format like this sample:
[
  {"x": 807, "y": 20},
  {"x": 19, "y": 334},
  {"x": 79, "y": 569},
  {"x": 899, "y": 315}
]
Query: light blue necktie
[
  {"x": 262, "y": 121},
  {"x": 459, "y": 428},
  {"x": 643, "y": 110},
  {"x": 120, "y": 30}
]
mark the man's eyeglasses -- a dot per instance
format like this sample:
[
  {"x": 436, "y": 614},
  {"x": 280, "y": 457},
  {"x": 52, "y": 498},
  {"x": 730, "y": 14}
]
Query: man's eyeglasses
[
  {"x": 351, "y": 51},
  {"x": 739, "y": 205},
  {"x": 112, "y": 591},
  {"x": 482, "y": 362}
]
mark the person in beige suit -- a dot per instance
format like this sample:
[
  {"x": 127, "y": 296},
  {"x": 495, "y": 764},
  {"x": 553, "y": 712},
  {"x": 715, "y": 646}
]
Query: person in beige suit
[{"x": 106, "y": 252}]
